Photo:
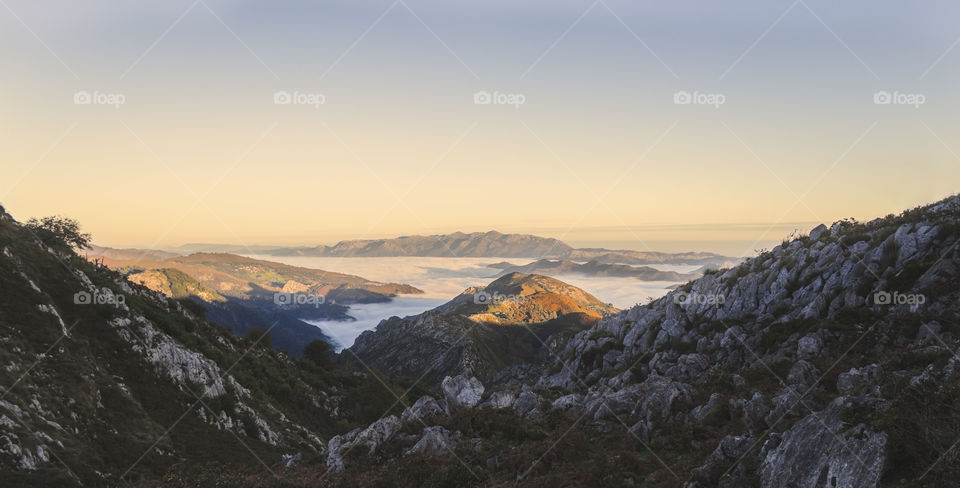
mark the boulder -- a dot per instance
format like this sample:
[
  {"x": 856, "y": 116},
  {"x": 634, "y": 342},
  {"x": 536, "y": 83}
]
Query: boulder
[
  {"x": 462, "y": 392},
  {"x": 818, "y": 232},
  {"x": 527, "y": 404}
]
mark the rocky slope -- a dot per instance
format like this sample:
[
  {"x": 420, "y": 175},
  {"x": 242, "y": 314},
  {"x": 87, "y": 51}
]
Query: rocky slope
[
  {"x": 483, "y": 331},
  {"x": 827, "y": 361},
  {"x": 106, "y": 382}
]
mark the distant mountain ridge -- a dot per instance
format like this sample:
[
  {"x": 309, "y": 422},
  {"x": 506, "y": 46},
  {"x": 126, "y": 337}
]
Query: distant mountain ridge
[
  {"x": 490, "y": 244},
  {"x": 457, "y": 244},
  {"x": 595, "y": 268},
  {"x": 243, "y": 277},
  {"x": 497, "y": 244},
  {"x": 129, "y": 254}
]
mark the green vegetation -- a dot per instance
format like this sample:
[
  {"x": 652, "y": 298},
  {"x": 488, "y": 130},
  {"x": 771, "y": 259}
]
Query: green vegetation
[
  {"x": 319, "y": 353},
  {"x": 923, "y": 425},
  {"x": 60, "y": 233}
]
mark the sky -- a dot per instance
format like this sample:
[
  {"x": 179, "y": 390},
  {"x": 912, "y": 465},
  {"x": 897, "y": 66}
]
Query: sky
[{"x": 643, "y": 125}]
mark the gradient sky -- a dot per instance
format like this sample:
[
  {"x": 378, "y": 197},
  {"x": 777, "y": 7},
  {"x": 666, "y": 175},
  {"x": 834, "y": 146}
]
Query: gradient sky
[{"x": 598, "y": 153}]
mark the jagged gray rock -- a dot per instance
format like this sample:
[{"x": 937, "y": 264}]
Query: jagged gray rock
[
  {"x": 500, "y": 399},
  {"x": 425, "y": 406},
  {"x": 858, "y": 379},
  {"x": 573, "y": 401},
  {"x": 435, "y": 441},
  {"x": 371, "y": 437},
  {"x": 817, "y": 451}
]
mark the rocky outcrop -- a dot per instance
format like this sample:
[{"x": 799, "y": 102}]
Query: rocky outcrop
[{"x": 425, "y": 406}]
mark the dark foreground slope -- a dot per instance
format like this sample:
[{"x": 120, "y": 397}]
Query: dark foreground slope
[{"x": 105, "y": 383}]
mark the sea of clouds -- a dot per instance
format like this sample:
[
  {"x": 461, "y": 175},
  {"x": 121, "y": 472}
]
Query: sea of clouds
[{"x": 441, "y": 279}]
